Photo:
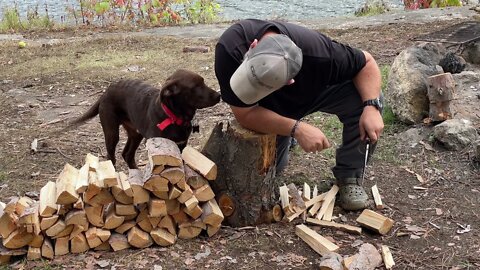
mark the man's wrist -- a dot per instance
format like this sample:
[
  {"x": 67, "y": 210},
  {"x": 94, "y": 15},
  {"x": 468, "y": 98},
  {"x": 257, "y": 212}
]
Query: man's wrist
[{"x": 294, "y": 128}]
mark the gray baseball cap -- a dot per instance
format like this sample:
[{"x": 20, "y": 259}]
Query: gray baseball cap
[{"x": 266, "y": 68}]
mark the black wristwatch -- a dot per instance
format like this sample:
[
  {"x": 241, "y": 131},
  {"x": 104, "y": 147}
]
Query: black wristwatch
[{"x": 377, "y": 103}]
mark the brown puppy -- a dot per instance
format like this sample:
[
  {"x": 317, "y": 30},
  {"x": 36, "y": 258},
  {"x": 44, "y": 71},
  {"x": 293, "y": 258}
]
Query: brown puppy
[{"x": 145, "y": 111}]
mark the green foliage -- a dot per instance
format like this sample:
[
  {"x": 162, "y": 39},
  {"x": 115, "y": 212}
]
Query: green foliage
[
  {"x": 200, "y": 11},
  {"x": 446, "y": 3},
  {"x": 146, "y": 12},
  {"x": 418, "y": 4},
  {"x": 389, "y": 117},
  {"x": 372, "y": 7},
  {"x": 12, "y": 20},
  {"x": 3, "y": 177}
]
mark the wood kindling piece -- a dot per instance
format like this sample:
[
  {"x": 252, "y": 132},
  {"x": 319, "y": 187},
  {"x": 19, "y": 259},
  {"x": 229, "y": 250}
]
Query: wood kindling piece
[
  {"x": 296, "y": 202},
  {"x": 135, "y": 178},
  {"x": 174, "y": 193},
  {"x": 330, "y": 224},
  {"x": 212, "y": 215},
  {"x": 56, "y": 228},
  {"x": 125, "y": 226},
  {"x": 387, "y": 257},
  {"x": 375, "y": 221},
  {"x": 313, "y": 202},
  {"x": 306, "y": 192},
  {"x": 92, "y": 161},
  {"x": 168, "y": 223},
  {"x": 48, "y": 205},
  {"x": 122, "y": 191},
  {"x": 162, "y": 237},
  {"x": 199, "y": 163},
  {"x": 47, "y": 222},
  {"x": 188, "y": 232},
  {"x": 82, "y": 180},
  {"x": 79, "y": 244},
  {"x": 95, "y": 186},
  {"x": 173, "y": 174},
  {"x": 112, "y": 220},
  {"x": 118, "y": 242},
  {"x": 106, "y": 173},
  {"x": 376, "y": 197},
  {"x": 156, "y": 183},
  {"x": 22, "y": 204},
  {"x": 157, "y": 208},
  {"x": 326, "y": 202},
  {"x": 47, "y": 249},
  {"x": 62, "y": 246},
  {"x": 185, "y": 196},
  {"x": 30, "y": 219},
  {"x": 66, "y": 183},
  {"x": 329, "y": 212},
  {"x": 285, "y": 200},
  {"x": 317, "y": 242},
  {"x": 95, "y": 215},
  {"x": 34, "y": 253},
  {"x": 204, "y": 193},
  {"x": 162, "y": 151},
  {"x": 138, "y": 238},
  {"x": 194, "y": 179},
  {"x": 18, "y": 239},
  {"x": 8, "y": 223}
]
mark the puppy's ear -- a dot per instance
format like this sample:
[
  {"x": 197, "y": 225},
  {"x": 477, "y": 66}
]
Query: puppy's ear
[{"x": 170, "y": 88}]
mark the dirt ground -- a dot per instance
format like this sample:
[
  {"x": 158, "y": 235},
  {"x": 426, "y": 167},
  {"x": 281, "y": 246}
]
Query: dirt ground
[{"x": 42, "y": 86}]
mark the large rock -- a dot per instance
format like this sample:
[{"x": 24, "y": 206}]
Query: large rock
[
  {"x": 471, "y": 53},
  {"x": 406, "y": 89},
  {"x": 455, "y": 134},
  {"x": 368, "y": 258}
]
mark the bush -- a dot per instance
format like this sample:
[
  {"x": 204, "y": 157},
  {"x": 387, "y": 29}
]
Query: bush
[
  {"x": 373, "y": 7},
  {"x": 418, "y": 4},
  {"x": 12, "y": 21}
]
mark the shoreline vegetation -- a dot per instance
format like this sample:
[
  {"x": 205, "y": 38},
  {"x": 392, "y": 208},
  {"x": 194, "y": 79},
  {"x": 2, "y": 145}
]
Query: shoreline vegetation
[{"x": 151, "y": 13}]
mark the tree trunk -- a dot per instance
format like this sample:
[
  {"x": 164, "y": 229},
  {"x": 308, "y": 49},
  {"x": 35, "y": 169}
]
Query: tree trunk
[{"x": 245, "y": 185}]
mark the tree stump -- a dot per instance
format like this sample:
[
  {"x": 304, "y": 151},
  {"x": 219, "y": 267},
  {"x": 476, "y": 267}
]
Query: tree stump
[
  {"x": 440, "y": 92},
  {"x": 245, "y": 185}
]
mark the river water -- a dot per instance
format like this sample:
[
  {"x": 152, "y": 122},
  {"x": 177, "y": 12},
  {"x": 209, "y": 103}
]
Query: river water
[{"x": 231, "y": 9}]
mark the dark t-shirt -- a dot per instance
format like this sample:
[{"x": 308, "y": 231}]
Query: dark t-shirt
[{"x": 325, "y": 63}]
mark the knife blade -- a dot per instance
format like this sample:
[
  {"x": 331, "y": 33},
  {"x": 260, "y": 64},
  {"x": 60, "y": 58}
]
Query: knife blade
[{"x": 367, "y": 148}]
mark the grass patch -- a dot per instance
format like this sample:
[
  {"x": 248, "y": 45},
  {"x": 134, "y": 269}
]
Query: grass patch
[
  {"x": 12, "y": 21},
  {"x": 3, "y": 176},
  {"x": 372, "y": 7}
]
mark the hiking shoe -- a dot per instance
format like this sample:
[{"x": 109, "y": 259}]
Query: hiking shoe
[{"x": 351, "y": 195}]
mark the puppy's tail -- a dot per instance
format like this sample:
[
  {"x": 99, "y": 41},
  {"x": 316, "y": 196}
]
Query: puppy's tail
[{"x": 91, "y": 113}]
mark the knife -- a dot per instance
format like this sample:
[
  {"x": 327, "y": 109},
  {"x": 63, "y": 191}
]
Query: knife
[{"x": 367, "y": 148}]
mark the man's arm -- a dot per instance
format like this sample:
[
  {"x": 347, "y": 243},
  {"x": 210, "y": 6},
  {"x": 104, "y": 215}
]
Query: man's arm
[
  {"x": 259, "y": 119},
  {"x": 368, "y": 82}
]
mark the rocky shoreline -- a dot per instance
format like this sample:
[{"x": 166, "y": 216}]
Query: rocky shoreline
[{"x": 421, "y": 16}]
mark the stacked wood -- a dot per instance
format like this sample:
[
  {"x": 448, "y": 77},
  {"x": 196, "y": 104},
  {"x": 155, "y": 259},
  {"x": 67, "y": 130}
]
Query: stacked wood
[
  {"x": 306, "y": 204},
  {"x": 96, "y": 207}
]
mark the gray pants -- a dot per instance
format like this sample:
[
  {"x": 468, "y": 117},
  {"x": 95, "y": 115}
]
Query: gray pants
[{"x": 343, "y": 101}]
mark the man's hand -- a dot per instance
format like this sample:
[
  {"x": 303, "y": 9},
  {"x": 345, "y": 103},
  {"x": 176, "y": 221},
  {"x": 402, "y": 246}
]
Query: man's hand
[
  {"x": 310, "y": 138},
  {"x": 371, "y": 124}
]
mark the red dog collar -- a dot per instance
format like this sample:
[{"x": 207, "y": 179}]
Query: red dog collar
[{"x": 172, "y": 119}]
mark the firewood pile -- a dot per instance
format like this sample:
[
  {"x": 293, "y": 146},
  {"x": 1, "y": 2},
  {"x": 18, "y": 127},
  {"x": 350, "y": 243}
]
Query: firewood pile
[
  {"x": 96, "y": 207},
  {"x": 317, "y": 210}
]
